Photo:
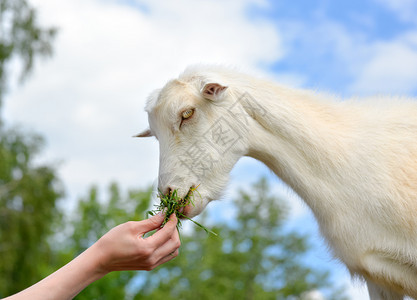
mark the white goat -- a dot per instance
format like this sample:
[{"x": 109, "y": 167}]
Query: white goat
[{"x": 353, "y": 162}]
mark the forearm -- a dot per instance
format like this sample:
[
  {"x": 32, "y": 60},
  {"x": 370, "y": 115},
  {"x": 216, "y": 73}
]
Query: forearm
[{"x": 68, "y": 281}]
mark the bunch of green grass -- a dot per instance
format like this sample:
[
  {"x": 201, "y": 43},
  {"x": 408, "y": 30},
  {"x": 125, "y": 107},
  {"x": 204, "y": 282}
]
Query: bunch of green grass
[{"x": 171, "y": 203}]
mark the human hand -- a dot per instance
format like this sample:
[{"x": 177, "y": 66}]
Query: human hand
[
  {"x": 125, "y": 248},
  {"x": 122, "y": 248}
]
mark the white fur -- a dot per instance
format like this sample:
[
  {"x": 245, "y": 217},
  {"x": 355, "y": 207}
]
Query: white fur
[{"x": 353, "y": 162}]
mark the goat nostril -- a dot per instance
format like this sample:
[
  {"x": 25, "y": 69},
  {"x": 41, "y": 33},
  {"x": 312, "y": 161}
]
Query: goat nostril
[{"x": 169, "y": 191}]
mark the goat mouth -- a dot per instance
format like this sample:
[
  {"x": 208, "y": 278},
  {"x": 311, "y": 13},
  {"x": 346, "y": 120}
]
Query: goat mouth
[
  {"x": 186, "y": 202},
  {"x": 182, "y": 212},
  {"x": 171, "y": 203}
]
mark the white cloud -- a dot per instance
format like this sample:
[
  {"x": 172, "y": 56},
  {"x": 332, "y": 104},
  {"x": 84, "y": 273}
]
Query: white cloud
[
  {"x": 88, "y": 99},
  {"x": 391, "y": 68},
  {"x": 375, "y": 66},
  {"x": 405, "y": 9}
]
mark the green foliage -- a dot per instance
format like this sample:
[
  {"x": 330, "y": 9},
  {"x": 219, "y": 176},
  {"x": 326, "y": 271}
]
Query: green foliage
[
  {"x": 21, "y": 37},
  {"x": 28, "y": 211},
  {"x": 28, "y": 192}
]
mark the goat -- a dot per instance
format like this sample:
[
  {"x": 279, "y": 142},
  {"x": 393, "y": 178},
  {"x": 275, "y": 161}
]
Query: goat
[{"x": 353, "y": 162}]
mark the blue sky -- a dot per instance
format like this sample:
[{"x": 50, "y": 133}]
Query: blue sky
[
  {"x": 314, "y": 52},
  {"x": 316, "y": 55},
  {"x": 369, "y": 18},
  {"x": 110, "y": 54}
]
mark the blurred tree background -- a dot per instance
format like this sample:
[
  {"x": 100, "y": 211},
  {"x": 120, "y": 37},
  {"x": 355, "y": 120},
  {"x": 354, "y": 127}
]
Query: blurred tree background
[
  {"x": 28, "y": 193},
  {"x": 251, "y": 258},
  {"x": 21, "y": 38}
]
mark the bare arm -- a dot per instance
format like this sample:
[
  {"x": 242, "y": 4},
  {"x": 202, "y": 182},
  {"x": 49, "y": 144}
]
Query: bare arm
[{"x": 122, "y": 248}]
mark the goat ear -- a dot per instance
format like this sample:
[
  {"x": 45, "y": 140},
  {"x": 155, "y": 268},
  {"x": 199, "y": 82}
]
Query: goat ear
[
  {"x": 146, "y": 133},
  {"x": 213, "y": 91}
]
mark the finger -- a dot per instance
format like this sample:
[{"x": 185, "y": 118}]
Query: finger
[
  {"x": 167, "y": 258},
  {"x": 150, "y": 224},
  {"x": 164, "y": 234},
  {"x": 169, "y": 246}
]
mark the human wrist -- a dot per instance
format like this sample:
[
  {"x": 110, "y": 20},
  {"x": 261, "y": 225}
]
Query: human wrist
[{"x": 97, "y": 259}]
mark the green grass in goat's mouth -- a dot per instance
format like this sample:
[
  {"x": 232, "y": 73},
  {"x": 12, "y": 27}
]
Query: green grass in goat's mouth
[{"x": 171, "y": 203}]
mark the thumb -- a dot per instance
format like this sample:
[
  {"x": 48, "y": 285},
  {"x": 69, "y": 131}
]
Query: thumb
[{"x": 152, "y": 223}]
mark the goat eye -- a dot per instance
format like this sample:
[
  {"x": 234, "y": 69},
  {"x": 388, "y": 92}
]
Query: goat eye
[{"x": 187, "y": 114}]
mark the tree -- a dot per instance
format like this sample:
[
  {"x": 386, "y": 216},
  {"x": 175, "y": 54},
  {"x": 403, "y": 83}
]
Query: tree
[
  {"x": 28, "y": 211},
  {"x": 21, "y": 37},
  {"x": 28, "y": 192}
]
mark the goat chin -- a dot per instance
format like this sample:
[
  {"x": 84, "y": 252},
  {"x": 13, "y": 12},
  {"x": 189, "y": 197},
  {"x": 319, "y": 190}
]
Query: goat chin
[{"x": 353, "y": 162}]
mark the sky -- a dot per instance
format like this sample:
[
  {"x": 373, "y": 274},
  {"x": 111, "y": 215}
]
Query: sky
[{"x": 88, "y": 99}]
